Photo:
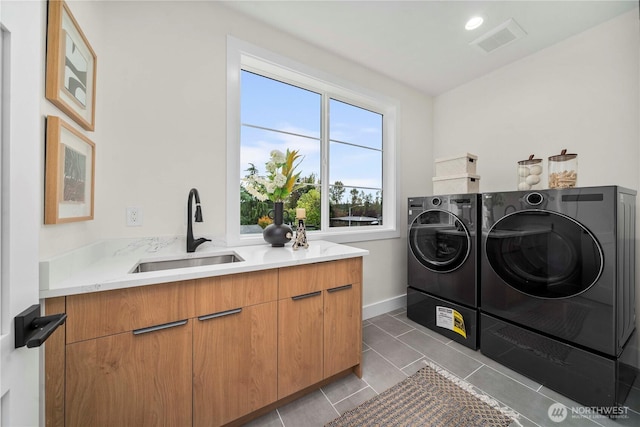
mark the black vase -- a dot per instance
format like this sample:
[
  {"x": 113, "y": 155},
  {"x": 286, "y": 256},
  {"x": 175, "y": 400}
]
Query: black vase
[{"x": 277, "y": 233}]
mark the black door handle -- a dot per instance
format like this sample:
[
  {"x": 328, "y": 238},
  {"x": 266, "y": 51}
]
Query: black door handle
[{"x": 32, "y": 330}]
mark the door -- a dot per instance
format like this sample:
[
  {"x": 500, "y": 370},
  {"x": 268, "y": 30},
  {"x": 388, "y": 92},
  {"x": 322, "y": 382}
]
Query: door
[
  {"x": 21, "y": 65},
  {"x": 137, "y": 378},
  {"x": 439, "y": 240},
  {"x": 342, "y": 328},
  {"x": 544, "y": 254},
  {"x": 300, "y": 342},
  {"x": 234, "y": 363},
  {"x": 543, "y": 270}
]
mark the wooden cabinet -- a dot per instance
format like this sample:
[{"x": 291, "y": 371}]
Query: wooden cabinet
[
  {"x": 320, "y": 323},
  {"x": 300, "y": 341},
  {"x": 139, "y": 378},
  {"x": 203, "y": 352},
  {"x": 234, "y": 347},
  {"x": 342, "y": 329},
  {"x": 128, "y": 357}
]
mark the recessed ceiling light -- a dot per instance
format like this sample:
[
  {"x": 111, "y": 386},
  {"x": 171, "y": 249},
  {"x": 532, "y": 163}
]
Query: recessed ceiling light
[{"x": 473, "y": 23}]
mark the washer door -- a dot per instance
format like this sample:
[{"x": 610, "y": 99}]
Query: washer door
[
  {"x": 544, "y": 254},
  {"x": 439, "y": 240}
]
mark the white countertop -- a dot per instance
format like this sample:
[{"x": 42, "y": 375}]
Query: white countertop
[{"x": 106, "y": 265}]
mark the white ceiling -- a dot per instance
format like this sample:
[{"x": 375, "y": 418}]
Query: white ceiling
[{"x": 424, "y": 43}]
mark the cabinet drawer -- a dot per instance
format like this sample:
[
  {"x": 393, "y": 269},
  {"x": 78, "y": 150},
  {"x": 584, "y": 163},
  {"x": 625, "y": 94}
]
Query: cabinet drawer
[
  {"x": 110, "y": 312},
  {"x": 309, "y": 278},
  {"x": 216, "y": 294}
]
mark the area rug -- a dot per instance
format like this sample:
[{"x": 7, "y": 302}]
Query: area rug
[{"x": 431, "y": 397}]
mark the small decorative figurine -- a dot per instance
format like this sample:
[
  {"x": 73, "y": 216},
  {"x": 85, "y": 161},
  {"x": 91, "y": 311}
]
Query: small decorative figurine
[{"x": 301, "y": 233}]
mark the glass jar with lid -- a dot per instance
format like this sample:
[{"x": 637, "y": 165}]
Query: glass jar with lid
[
  {"x": 530, "y": 174},
  {"x": 563, "y": 170}
]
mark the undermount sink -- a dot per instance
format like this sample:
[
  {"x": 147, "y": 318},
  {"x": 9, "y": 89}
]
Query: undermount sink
[{"x": 170, "y": 264}]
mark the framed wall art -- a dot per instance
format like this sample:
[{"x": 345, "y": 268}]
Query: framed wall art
[
  {"x": 69, "y": 174},
  {"x": 71, "y": 66}
]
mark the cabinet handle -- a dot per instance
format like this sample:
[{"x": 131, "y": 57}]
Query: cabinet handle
[
  {"x": 220, "y": 314},
  {"x": 340, "y": 288},
  {"x": 159, "y": 327},
  {"x": 309, "y": 295}
]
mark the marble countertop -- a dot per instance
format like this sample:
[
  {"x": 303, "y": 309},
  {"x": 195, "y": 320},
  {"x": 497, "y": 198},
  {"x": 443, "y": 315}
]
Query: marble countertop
[{"x": 107, "y": 264}]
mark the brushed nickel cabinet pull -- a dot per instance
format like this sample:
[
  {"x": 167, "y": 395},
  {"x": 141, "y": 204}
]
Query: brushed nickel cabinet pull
[
  {"x": 220, "y": 314},
  {"x": 159, "y": 327},
  {"x": 309, "y": 295},
  {"x": 340, "y": 288}
]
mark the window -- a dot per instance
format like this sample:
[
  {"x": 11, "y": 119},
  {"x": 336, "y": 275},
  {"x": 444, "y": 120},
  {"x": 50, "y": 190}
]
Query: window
[
  {"x": 345, "y": 137},
  {"x": 355, "y": 165}
]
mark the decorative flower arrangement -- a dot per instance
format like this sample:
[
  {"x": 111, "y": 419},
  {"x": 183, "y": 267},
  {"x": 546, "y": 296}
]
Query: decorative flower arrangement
[
  {"x": 264, "y": 221},
  {"x": 280, "y": 180}
]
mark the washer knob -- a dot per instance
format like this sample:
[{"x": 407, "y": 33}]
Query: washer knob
[
  {"x": 534, "y": 199},
  {"x": 436, "y": 201}
]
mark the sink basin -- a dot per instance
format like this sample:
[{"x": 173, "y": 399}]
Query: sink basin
[{"x": 170, "y": 264}]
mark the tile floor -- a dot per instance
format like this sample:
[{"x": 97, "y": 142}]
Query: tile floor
[{"x": 395, "y": 347}]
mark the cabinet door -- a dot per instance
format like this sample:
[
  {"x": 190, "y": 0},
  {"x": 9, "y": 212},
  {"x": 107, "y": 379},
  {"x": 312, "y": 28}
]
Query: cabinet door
[
  {"x": 342, "y": 328},
  {"x": 131, "y": 379},
  {"x": 234, "y": 363},
  {"x": 300, "y": 337}
]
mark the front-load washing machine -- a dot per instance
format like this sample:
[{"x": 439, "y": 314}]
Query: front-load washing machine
[
  {"x": 558, "y": 288},
  {"x": 442, "y": 292}
]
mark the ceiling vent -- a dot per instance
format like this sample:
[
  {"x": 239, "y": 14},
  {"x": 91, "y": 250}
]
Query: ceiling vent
[{"x": 500, "y": 36}]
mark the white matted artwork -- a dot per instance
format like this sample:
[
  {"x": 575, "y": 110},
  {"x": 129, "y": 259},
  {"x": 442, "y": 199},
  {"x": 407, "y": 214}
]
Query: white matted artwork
[
  {"x": 69, "y": 174},
  {"x": 71, "y": 66}
]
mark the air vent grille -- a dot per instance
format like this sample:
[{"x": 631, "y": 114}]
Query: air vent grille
[{"x": 502, "y": 35}]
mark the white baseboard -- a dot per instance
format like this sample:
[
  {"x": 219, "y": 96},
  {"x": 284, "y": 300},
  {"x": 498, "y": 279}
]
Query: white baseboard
[{"x": 385, "y": 306}]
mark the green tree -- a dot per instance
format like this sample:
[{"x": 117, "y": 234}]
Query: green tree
[
  {"x": 336, "y": 192},
  {"x": 355, "y": 197},
  {"x": 308, "y": 182},
  {"x": 251, "y": 208},
  {"x": 311, "y": 202},
  {"x": 252, "y": 170}
]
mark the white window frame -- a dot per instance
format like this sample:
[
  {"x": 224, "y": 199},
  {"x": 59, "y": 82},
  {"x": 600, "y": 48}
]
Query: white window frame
[{"x": 243, "y": 55}]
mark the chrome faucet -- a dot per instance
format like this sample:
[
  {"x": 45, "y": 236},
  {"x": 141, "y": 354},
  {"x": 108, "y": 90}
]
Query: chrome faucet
[{"x": 192, "y": 243}]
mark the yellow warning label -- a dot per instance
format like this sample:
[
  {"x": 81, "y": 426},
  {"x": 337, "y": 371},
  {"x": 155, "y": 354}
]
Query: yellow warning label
[
  {"x": 450, "y": 319},
  {"x": 458, "y": 324}
]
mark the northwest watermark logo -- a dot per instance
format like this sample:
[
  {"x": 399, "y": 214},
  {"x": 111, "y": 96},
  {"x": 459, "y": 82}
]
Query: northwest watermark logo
[{"x": 557, "y": 412}]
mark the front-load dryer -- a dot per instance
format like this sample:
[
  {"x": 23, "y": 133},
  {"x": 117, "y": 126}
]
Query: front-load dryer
[
  {"x": 558, "y": 286},
  {"x": 442, "y": 291}
]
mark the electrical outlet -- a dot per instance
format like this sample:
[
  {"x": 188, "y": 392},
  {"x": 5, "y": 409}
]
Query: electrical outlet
[{"x": 134, "y": 216}]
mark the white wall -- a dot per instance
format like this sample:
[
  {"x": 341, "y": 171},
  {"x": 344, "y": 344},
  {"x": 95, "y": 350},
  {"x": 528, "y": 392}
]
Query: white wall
[
  {"x": 55, "y": 239},
  {"x": 160, "y": 124},
  {"x": 580, "y": 94}
]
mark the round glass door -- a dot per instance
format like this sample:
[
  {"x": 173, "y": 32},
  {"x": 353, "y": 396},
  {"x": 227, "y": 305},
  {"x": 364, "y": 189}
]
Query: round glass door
[
  {"x": 544, "y": 254},
  {"x": 439, "y": 240}
]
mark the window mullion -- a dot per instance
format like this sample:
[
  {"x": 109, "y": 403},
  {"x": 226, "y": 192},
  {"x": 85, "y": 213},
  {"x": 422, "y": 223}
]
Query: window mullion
[{"x": 324, "y": 147}]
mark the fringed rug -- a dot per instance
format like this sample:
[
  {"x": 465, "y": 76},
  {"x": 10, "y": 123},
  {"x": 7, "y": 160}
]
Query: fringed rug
[{"x": 431, "y": 397}]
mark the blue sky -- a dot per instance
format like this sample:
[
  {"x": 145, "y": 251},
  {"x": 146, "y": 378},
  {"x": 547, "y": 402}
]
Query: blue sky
[{"x": 275, "y": 105}]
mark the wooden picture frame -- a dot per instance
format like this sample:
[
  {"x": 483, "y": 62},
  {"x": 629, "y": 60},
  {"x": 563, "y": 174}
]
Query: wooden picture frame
[
  {"x": 71, "y": 66},
  {"x": 69, "y": 174}
]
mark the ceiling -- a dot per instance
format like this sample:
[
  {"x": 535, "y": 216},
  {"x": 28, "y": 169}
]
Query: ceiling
[{"x": 424, "y": 43}]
